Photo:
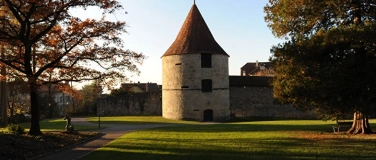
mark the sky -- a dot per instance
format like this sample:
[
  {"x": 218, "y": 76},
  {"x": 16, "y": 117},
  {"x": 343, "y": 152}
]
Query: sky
[{"x": 237, "y": 25}]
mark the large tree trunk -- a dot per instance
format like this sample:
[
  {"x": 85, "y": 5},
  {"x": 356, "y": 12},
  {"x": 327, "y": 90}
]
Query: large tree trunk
[
  {"x": 3, "y": 95},
  {"x": 34, "y": 124},
  {"x": 360, "y": 124},
  {"x": 3, "y": 104}
]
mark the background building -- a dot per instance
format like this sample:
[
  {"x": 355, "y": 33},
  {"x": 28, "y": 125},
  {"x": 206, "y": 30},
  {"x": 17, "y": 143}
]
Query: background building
[
  {"x": 140, "y": 87},
  {"x": 257, "y": 69}
]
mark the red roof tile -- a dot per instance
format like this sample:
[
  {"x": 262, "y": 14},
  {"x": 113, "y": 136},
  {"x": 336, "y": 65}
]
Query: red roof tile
[{"x": 194, "y": 37}]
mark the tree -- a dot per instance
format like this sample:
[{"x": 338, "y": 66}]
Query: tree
[
  {"x": 123, "y": 90},
  {"x": 90, "y": 93},
  {"x": 268, "y": 72},
  {"x": 327, "y": 62},
  {"x": 46, "y": 38},
  {"x": 18, "y": 98},
  {"x": 3, "y": 100}
]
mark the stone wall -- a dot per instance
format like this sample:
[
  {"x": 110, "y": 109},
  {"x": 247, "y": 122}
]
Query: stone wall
[
  {"x": 148, "y": 103},
  {"x": 257, "y": 101},
  {"x": 195, "y": 108}
]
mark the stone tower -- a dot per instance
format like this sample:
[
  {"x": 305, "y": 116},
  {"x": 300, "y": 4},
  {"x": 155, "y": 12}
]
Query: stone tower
[{"x": 195, "y": 72}]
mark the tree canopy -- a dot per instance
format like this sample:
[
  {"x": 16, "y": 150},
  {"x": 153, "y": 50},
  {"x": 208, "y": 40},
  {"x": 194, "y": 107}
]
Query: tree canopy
[
  {"x": 90, "y": 93},
  {"x": 302, "y": 18},
  {"x": 328, "y": 60},
  {"x": 47, "y": 43}
]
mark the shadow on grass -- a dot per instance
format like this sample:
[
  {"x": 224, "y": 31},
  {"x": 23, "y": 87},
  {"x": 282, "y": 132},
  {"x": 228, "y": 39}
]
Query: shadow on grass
[
  {"x": 215, "y": 128},
  {"x": 131, "y": 122},
  {"x": 254, "y": 140},
  {"x": 56, "y": 125},
  {"x": 139, "y": 120},
  {"x": 286, "y": 148},
  {"x": 256, "y": 119}
]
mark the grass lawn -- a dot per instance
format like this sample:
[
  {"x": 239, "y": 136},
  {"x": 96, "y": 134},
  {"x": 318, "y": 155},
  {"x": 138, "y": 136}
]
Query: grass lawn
[
  {"x": 25, "y": 146},
  {"x": 139, "y": 120},
  {"x": 261, "y": 139},
  {"x": 53, "y": 125}
]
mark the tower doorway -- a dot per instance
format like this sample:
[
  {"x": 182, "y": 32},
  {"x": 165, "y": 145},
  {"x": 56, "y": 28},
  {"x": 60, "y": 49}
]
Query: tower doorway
[{"x": 208, "y": 115}]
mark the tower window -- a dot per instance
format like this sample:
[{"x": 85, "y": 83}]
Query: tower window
[
  {"x": 207, "y": 85},
  {"x": 206, "y": 60}
]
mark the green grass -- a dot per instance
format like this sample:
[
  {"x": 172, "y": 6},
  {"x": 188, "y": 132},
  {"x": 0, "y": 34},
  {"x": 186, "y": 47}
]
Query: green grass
[
  {"x": 275, "y": 139},
  {"x": 54, "y": 125},
  {"x": 137, "y": 120}
]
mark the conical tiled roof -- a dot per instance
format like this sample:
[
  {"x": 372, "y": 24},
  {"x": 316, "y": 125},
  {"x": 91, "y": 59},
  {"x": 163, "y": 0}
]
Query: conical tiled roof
[{"x": 194, "y": 37}]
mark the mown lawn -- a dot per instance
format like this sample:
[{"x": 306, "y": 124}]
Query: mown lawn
[
  {"x": 261, "y": 139},
  {"x": 137, "y": 120},
  {"x": 56, "y": 125}
]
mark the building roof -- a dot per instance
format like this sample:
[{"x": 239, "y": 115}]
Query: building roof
[
  {"x": 252, "y": 68},
  {"x": 194, "y": 37},
  {"x": 146, "y": 87}
]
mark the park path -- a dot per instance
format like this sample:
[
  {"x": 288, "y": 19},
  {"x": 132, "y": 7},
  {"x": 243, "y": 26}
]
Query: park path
[{"x": 111, "y": 132}]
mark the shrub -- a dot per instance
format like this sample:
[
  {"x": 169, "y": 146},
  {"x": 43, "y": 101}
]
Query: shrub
[
  {"x": 18, "y": 118},
  {"x": 15, "y": 129}
]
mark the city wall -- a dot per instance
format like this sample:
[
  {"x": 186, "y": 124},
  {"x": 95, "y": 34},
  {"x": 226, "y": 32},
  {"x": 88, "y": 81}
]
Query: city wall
[
  {"x": 254, "y": 100},
  {"x": 147, "y": 103},
  {"x": 257, "y": 101}
]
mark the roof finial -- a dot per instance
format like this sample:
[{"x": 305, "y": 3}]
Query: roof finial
[{"x": 194, "y": 1}]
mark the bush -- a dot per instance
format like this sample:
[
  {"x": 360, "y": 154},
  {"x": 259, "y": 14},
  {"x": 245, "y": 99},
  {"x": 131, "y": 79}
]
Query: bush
[
  {"x": 15, "y": 129},
  {"x": 18, "y": 118}
]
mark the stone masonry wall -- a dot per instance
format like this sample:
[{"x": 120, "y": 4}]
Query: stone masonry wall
[
  {"x": 181, "y": 81},
  {"x": 257, "y": 101},
  {"x": 147, "y": 103},
  {"x": 252, "y": 101}
]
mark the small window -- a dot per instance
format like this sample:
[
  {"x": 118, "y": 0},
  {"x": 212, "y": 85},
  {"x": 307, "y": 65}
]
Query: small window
[
  {"x": 178, "y": 64},
  {"x": 206, "y": 60},
  {"x": 206, "y": 85},
  {"x": 184, "y": 86}
]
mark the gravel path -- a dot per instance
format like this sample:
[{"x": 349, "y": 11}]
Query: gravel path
[{"x": 111, "y": 132}]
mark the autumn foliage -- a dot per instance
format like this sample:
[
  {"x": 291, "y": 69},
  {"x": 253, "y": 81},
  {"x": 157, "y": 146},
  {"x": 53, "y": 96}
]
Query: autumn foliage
[{"x": 46, "y": 43}]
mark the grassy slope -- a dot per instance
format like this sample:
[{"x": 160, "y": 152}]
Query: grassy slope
[{"x": 278, "y": 139}]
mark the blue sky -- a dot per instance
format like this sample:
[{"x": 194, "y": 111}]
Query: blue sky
[{"x": 237, "y": 25}]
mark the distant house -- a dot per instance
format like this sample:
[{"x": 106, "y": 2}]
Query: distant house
[
  {"x": 53, "y": 95},
  {"x": 257, "y": 69},
  {"x": 140, "y": 87}
]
